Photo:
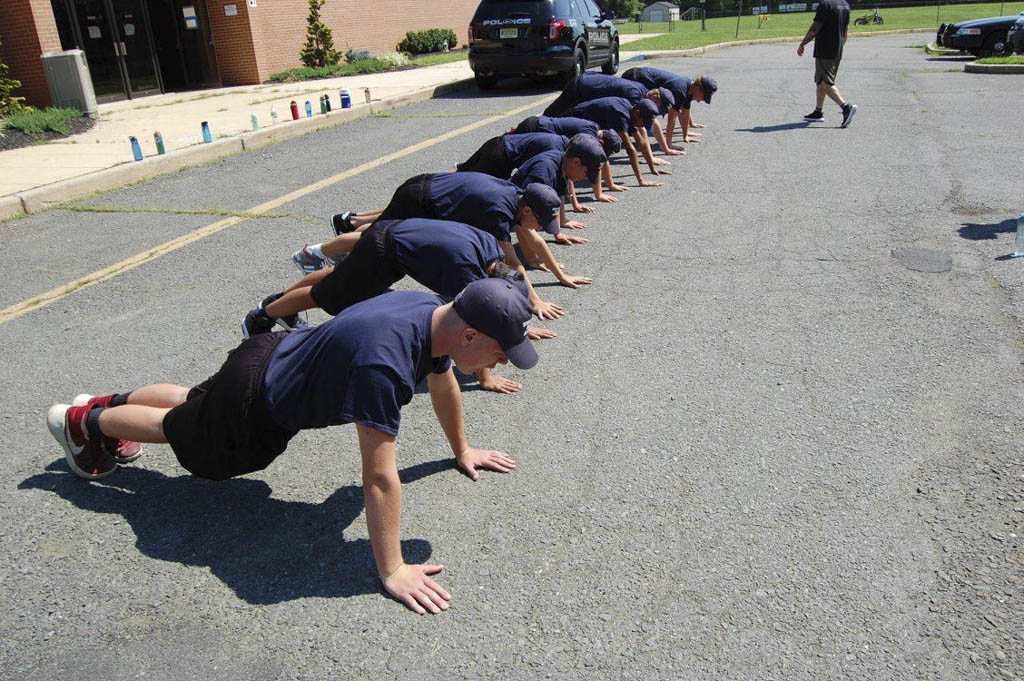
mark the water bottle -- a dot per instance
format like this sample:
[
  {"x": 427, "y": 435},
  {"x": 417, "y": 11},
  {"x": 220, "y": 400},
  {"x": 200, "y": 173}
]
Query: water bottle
[
  {"x": 207, "y": 135},
  {"x": 323, "y": 105},
  {"x": 327, "y": 102},
  {"x": 273, "y": 115},
  {"x": 366, "y": 93},
  {"x": 136, "y": 149},
  {"x": 1018, "y": 243},
  {"x": 159, "y": 139},
  {"x": 255, "y": 120},
  {"x": 346, "y": 98},
  {"x": 309, "y": 109},
  {"x": 295, "y": 110}
]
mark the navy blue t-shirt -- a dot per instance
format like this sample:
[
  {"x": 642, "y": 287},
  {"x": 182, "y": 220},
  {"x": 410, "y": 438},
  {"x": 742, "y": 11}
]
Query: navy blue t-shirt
[
  {"x": 567, "y": 126},
  {"x": 444, "y": 256},
  {"x": 651, "y": 77},
  {"x": 598, "y": 85},
  {"x": 476, "y": 199},
  {"x": 611, "y": 113},
  {"x": 519, "y": 148},
  {"x": 545, "y": 168},
  {"x": 360, "y": 367}
]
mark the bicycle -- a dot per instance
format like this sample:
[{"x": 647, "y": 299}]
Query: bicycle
[{"x": 874, "y": 18}]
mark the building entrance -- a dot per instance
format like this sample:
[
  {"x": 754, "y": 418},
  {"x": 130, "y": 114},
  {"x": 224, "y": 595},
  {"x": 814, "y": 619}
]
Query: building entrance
[{"x": 140, "y": 47}]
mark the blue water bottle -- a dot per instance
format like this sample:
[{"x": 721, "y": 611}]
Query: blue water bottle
[
  {"x": 346, "y": 98},
  {"x": 207, "y": 137},
  {"x": 309, "y": 109},
  {"x": 136, "y": 149}
]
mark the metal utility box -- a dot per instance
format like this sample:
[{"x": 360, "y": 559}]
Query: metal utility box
[{"x": 67, "y": 74}]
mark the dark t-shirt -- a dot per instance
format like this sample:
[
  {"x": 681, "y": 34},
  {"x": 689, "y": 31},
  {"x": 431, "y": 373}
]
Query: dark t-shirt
[
  {"x": 360, "y": 367},
  {"x": 476, "y": 199},
  {"x": 444, "y": 256},
  {"x": 834, "y": 17},
  {"x": 545, "y": 168},
  {"x": 567, "y": 127},
  {"x": 519, "y": 148},
  {"x": 651, "y": 77},
  {"x": 598, "y": 85},
  {"x": 610, "y": 113}
]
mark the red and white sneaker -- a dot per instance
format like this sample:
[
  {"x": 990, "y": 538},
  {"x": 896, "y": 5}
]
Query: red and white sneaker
[
  {"x": 86, "y": 456},
  {"x": 123, "y": 451}
]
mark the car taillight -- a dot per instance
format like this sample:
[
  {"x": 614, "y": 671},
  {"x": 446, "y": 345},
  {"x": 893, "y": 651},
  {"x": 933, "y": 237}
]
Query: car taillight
[
  {"x": 471, "y": 33},
  {"x": 555, "y": 29}
]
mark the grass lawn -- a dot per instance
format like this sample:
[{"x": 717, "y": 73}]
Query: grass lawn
[
  {"x": 1015, "y": 59},
  {"x": 439, "y": 58},
  {"x": 688, "y": 33}
]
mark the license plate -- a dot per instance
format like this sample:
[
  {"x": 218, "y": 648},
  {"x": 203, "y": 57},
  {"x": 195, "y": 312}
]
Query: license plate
[{"x": 506, "y": 33}]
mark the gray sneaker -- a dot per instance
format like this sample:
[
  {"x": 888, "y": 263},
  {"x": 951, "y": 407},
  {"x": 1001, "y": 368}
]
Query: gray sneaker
[
  {"x": 307, "y": 262},
  {"x": 848, "y": 112}
]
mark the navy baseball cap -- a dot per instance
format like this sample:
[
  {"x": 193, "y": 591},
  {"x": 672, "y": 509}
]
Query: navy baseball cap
[
  {"x": 666, "y": 101},
  {"x": 648, "y": 111},
  {"x": 544, "y": 202},
  {"x": 611, "y": 142},
  {"x": 500, "y": 309},
  {"x": 710, "y": 87},
  {"x": 588, "y": 150}
]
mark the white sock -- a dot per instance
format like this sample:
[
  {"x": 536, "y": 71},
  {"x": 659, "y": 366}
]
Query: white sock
[{"x": 315, "y": 250}]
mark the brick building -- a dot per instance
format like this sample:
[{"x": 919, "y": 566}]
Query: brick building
[{"x": 139, "y": 47}]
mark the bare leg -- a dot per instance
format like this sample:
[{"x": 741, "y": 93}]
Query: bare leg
[
  {"x": 833, "y": 93},
  {"x": 308, "y": 280},
  {"x": 365, "y": 218},
  {"x": 292, "y": 302},
  {"x": 141, "y": 420},
  {"x": 342, "y": 244}
]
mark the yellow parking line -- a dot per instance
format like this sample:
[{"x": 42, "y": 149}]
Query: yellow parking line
[{"x": 53, "y": 295}]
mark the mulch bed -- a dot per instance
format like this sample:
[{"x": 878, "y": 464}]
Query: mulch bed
[{"x": 15, "y": 139}]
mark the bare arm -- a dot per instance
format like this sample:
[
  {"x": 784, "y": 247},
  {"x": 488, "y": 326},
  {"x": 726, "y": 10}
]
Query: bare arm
[
  {"x": 659, "y": 135},
  {"x": 542, "y": 309},
  {"x": 811, "y": 32},
  {"x": 382, "y": 492},
  {"x": 446, "y": 398},
  {"x": 541, "y": 248},
  {"x": 606, "y": 174}
]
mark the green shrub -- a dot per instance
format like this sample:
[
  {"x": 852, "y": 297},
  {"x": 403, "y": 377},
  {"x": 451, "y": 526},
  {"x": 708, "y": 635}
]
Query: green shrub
[
  {"x": 37, "y": 121},
  {"x": 300, "y": 73},
  {"x": 429, "y": 40},
  {"x": 319, "y": 49},
  {"x": 394, "y": 60},
  {"x": 8, "y": 102},
  {"x": 356, "y": 55}
]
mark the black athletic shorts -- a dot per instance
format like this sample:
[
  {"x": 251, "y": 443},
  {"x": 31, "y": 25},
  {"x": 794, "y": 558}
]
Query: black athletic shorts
[
  {"x": 490, "y": 158},
  {"x": 528, "y": 125},
  {"x": 367, "y": 271},
  {"x": 410, "y": 200},
  {"x": 223, "y": 428}
]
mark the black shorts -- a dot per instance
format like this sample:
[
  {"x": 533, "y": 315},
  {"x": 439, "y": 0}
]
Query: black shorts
[
  {"x": 223, "y": 428},
  {"x": 368, "y": 271},
  {"x": 490, "y": 158},
  {"x": 528, "y": 125},
  {"x": 410, "y": 200}
]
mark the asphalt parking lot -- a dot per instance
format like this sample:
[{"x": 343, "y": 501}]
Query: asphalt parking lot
[{"x": 778, "y": 438}]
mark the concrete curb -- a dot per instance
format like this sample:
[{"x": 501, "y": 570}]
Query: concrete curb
[
  {"x": 694, "y": 51},
  {"x": 52, "y": 195},
  {"x": 975, "y": 67}
]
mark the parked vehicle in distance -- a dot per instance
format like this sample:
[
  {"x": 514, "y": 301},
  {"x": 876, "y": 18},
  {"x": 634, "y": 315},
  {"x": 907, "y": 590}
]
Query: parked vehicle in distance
[
  {"x": 1015, "y": 36},
  {"x": 980, "y": 37},
  {"x": 540, "y": 38}
]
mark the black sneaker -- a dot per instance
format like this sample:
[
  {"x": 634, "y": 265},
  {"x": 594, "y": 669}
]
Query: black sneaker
[
  {"x": 815, "y": 115},
  {"x": 256, "y": 322},
  {"x": 289, "y": 323},
  {"x": 848, "y": 112},
  {"x": 342, "y": 223}
]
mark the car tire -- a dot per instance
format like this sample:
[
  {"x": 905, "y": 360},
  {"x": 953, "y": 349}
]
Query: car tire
[
  {"x": 611, "y": 67},
  {"x": 996, "y": 46},
  {"x": 579, "y": 65},
  {"x": 485, "y": 82}
]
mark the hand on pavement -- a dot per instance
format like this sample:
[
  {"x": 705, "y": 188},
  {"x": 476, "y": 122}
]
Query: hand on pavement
[
  {"x": 500, "y": 384},
  {"x": 573, "y": 224},
  {"x": 540, "y": 333},
  {"x": 412, "y": 585},
  {"x": 584, "y": 209},
  {"x": 618, "y": 188},
  {"x": 572, "y": 281},
  {"x": 649, "y": 183},
  {"x": 605, "y": 198},
  {"x": 472, "y": 458},
  {"x": 545, "y": 310},
  {"x": 569, "y": 240}
]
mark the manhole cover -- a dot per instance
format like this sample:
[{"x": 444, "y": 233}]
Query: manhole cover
[{"x": 922, "y": 260}]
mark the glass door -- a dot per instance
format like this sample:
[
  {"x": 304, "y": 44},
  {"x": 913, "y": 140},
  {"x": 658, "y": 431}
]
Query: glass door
[
  {"x": 101, "y": 48},
  {"x": 135, "y": 46}
]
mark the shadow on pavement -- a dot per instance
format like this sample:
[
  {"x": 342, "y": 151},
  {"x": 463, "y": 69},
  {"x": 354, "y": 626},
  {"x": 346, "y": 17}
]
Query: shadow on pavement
[
  {"x": 776, "y": 128},
  {"x": 266, "y": 550},
  {"x": 980, "y": 232}
]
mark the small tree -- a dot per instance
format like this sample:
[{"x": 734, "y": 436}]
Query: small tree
[
  {"x": 319, "y": 50},
  {"x": 8, "y": 102},
  {"x": 622, "y": 8}
]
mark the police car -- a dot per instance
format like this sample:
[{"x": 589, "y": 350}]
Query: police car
[{"x": 540, "y": 38}]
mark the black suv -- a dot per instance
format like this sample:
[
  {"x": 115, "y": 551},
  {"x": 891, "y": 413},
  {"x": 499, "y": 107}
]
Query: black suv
[{"x": 540, "y": 37}]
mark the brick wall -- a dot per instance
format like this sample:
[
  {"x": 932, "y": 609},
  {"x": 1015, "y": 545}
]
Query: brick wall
[
  {"x": 279, "y": 26},
  {"x": 28, "y": 30},
  {"x": 233, "y": 42}
]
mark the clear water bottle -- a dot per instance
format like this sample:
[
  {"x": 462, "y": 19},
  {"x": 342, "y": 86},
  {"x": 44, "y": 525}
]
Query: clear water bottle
[{"x": 1018, "y": 243}]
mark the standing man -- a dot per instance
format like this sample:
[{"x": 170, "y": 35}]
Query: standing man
[
  {"x": 828, "y": 31},
  {"x": 361, "y": 367}
]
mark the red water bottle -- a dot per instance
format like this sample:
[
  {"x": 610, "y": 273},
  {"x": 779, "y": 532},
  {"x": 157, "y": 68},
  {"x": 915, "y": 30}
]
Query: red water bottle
[{"x": 295, "y": 111}]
